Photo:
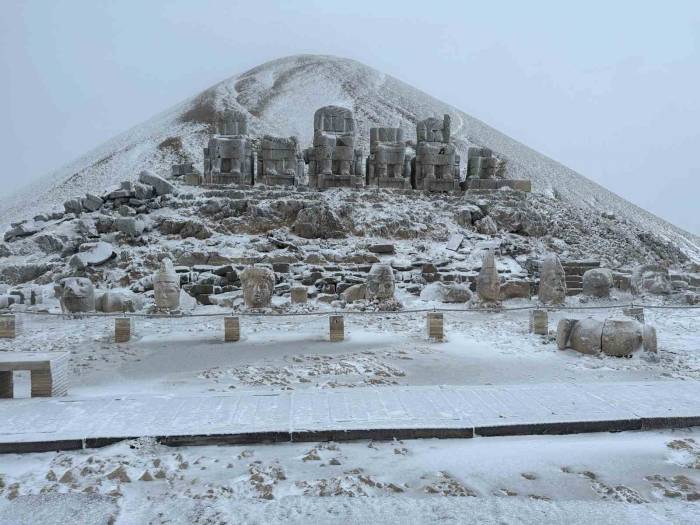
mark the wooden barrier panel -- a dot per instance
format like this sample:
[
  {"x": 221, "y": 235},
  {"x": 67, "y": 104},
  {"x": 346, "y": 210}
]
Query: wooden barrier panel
[
  {"x": 122, "y": 329},
  {"x": 337, "y": 328},
  {"x": 539, "y": 323},
  {"x": 232, "y": 329},
  {"x": 48, "y": 370},
  {"x": 6, "y": 384},
  {"x": 435, "y": 326},
  {"x": 8, "y": 326}
]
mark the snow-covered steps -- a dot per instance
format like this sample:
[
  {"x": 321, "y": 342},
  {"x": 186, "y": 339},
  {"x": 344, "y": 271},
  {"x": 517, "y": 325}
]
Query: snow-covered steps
[{"x": 32, "y": 425}]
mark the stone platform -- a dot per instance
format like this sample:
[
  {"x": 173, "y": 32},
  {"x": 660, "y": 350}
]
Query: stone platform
[{"x": 33, "y": 425}]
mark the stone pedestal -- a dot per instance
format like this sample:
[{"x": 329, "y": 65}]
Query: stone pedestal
[
  {"x": 337, "y": 328},
  {"x": 434, "y": 323},
  {"x": 539, "y": 322},
  {"x": 122, "y": 329},
  {"x": 6, "y": 384},
  {"x": 299, "y": 294},
  {"x": 8, "y": 326},
  {"x": 635, "y": 312},
  {"x": 232, "y": 329}
]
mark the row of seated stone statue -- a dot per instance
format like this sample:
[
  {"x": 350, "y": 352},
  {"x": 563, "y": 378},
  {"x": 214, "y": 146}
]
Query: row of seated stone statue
[{"x": 334, "y": 160}]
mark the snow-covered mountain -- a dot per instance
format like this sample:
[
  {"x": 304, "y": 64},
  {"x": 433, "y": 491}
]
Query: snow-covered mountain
[{"x": 280, "y": 98}]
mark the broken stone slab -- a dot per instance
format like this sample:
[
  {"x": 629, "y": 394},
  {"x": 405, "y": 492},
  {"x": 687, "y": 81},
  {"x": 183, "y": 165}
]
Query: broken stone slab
[
  {"x": 130, "y": 226},
  {"x": 454, "y": 242},
  {"x": 160, "y": 185},
  {"x": 24, "y": 229},
  {"x": 382, "y": 248},
  {"x": 92, "y": 254},
  {"x": 49, "y": 243},
  {"x": 446, "y": 293},
  {"x": 92, "y": 202},
  {"x": 356, "y": 292},
  {"x": 318, "y": 222}
]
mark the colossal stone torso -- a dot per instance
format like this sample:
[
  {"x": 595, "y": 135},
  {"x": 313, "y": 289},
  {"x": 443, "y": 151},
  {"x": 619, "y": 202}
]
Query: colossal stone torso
[
  {"x": 166, "y": 287},
  {"x": 333, "y": 160},
  {"x": 258, "y": 285},
  {"x": 280, "y": 161},
  {"x": 436, "y": 165},
  {"x": 387, "y": 165},
  {"x": 229, "y": 157},
  {"x": 380, "y": 282}
]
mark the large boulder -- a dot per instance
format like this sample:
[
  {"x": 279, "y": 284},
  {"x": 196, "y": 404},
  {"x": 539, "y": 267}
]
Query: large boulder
[
  {"x": 486, "y": 226},
  {"x": 74, "y": 206},
  {"x": 597, "y": 282},
  {"x": 92, "y": 202},
  {"x": 185, "y": 228},
  {"x": 21, "y": 273},
  {"x": 586, "y": 336},
  {"x": 621, "y": 337},
  {"x": 446, "y": 293},
  {"x": 380, "y": 282},
  {"x": 130, "y": 226},
  {"x": 552, "y": 288},
  {"x": 650, "y": 278},
  {"x": 24, "y": 229},
  {"x": 160, "y": 185},
  {"x": 317, "y": 222},
  {"x": 49, "y": 243},
  {"x": 258, "y": 285},
  {"x": 76, "y": 295},
  {"x": 488, "y": 285},
  {"x": 356, "y": 292}
]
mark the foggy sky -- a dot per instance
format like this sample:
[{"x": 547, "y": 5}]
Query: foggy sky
[{"x": 611, "y": 89}]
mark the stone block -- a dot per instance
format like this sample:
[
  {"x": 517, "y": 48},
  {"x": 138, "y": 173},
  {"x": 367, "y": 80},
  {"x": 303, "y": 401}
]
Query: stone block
[
  {"x": 539, "y": 323},
  {"x": 8, "y": 326},
  {"x": 299, "y": 294},
  {"x": 122, "y": 329},
  {"x": 232, "y": 329},
  {"x": 337, "y": 328},
  {"x": 435, "y": 326}
]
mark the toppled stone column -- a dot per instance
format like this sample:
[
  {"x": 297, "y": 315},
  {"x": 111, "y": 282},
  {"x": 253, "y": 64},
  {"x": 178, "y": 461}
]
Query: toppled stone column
[
  {"x": 337, "y": 328},
  {"x": 552, "y": 288},
  {"x": 435, "y": 326},
  {"x": 232, "y": 329},
  {"x": 122, "y": 329},
  {"x": 8, "y": 326},
  {"x": 299, "y": 294},
  {"x": 539, "y": 322}
]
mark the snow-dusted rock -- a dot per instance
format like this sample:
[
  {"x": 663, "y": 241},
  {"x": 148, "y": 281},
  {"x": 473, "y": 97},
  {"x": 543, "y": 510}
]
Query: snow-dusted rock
[
  {"x": 49, "y": 243},
  {"x": 185, "y": 228},
  {"x": 160, "y": 185},
  {"x": 318, "y": 222},
  {"x": 4, "y": 250},
  {"x": 488, "y": 285},
  {"x": 74, "y": 206},
  {"x": 130, "y": 226},
  {"x": 586, "y": 336},
  {"x": 384, "y": 248},
  {"x": 487, "y": 226},
  {"x": 92, "y": 202},
  {"x": 446, "y": 293},
  {"x": 22, "y": 273},
  {"x": 650, "y": 278},
  {"x": 515, "y": 289},
  {"x": 649, "y": 339},
  {"x": 380, "y": 282},
  {"x": 24, "y": 229},
  {"x": 552, "y": 288},
  {"x": 621, "y": 337},
  {"x": 565, "y": 328},
  {"x": 356, "y": 292},
  {"x": 92, "y": 254},
  {"x": 143, "y": 191},
  {"x": 597, "y": 282}
]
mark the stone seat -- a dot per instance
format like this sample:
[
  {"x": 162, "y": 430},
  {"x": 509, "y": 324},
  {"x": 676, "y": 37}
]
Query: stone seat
[{"x": 49, "y": 372}]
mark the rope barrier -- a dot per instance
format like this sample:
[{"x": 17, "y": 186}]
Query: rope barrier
[{"x": 359, "y": 312}]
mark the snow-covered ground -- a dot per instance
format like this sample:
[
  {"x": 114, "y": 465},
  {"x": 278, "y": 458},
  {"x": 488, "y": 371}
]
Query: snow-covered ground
[{"x": 633, "y": 477}]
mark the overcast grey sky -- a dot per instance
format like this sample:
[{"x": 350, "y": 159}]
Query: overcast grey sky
[{"x": 611, "y": 89}]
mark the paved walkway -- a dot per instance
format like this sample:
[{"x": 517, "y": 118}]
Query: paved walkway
[{"x": 376, "y": 413}]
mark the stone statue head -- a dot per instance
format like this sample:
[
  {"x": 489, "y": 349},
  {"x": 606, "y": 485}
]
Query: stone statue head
[
  {"x": 77, "y": 295},
  {"x": 380, "y": 282},
  {"x": 258, "y": 285},
  {"x": 166, "y": 286}
]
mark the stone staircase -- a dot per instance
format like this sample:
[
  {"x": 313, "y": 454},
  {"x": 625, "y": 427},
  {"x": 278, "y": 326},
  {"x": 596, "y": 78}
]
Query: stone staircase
[{"x": 574, "y": 271}]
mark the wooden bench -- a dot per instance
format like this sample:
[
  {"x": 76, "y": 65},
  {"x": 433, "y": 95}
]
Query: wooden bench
[{"x": 49, "y": 372}]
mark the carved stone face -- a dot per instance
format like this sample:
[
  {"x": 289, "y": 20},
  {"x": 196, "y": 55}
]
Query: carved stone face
[
  {"x": 77, "y": 295},
  {"x": 258, "y": 285},
  {"x": 380, "y": 282},
  {"x": 166, "y": 286}
]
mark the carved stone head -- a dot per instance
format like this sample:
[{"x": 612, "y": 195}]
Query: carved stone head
[
  {"x": 258, "y": 286},
  {"x": 77, "y": 295},
  {"x": 380, "y": 282}
]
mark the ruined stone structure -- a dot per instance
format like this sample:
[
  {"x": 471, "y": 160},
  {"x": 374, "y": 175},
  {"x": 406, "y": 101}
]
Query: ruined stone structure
[
  {"x": 487, "y": 172},
  {"x": 229, "y": 157},
  {"x": 388, "y": 166},
  {"x": 280, "y": 161},
  {"x": 333, "y": 160},
  {"x": 436, "y": 165}
]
